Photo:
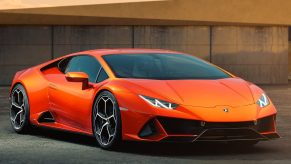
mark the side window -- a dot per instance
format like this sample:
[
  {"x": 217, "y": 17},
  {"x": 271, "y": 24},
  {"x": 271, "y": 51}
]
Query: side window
[
  {"x": 62, "y": 65},
  {"x": 86, "y": 64},
  {"x": 102, "y": 76}
]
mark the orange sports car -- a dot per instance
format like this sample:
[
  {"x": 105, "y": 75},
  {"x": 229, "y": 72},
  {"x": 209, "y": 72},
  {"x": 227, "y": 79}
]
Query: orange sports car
[{"x": 141, "y": 95}]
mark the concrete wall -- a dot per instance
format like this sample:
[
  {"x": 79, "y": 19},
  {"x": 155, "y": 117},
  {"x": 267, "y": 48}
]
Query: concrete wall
[
  {"x": 289, "y": 60},
  {"x": 258, "y": 54},
  {"x": 68, "y": 39},
  {"x": 187, "y": 39},
  {"x": 22, "y": 47}
]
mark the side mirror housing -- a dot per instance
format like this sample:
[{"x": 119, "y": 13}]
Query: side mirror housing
[{"x": 78, "y": 77}]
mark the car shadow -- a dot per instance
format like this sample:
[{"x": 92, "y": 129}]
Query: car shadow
[
  {"x": 63, "y": 136},
  {"x": 156, "y": 149},
  {"x": 190, "y": 149}
]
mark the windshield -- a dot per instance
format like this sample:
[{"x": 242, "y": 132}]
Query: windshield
[{"x": 162, "y": 67}]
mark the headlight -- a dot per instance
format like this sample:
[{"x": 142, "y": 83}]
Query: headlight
[
  {"x": 263, "y": 101},
  {"x": 158, "y": 103}
]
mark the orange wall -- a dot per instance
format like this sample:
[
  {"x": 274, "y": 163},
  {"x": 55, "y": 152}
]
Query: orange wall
[
  {"x": 259, "y": 12},
  {"x": 289, "y": 58}
]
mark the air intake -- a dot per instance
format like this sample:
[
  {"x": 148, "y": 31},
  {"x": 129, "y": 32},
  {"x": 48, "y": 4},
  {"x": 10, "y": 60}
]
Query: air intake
[
  {"x": 46, "y": 117},
  {"x": 149, "y": 129}
]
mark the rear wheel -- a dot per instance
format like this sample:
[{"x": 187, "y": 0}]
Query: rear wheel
[
  {"x": 19, "y": 109},
  {"x": 106, "y": 121}
]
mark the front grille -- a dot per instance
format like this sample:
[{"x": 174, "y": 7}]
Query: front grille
[
  {"x": 183, "y": 126},
  {"x": 215, "y": 130},
  {"x": 180, "y": 126},
  {"x": 244, "y": 124}
]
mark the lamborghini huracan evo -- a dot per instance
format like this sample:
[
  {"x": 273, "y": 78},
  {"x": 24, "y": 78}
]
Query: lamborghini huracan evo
[{"x": 141, "y": 95}]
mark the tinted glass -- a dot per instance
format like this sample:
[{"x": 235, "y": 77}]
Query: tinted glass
[
  {"x": 86, "y": 64},
  {"x": 62, "y": 65},
  {"x": 162, "y": 66},
  {"x": 102, "y": 76}
]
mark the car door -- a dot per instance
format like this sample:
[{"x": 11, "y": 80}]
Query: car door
[{"x": 71, "y": 104}]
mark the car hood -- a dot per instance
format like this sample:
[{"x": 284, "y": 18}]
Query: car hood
[{"x": 204, "y": 93}]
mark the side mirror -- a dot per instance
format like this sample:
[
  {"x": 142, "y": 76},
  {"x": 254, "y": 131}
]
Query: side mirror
[{"x": 78, "y": 77}]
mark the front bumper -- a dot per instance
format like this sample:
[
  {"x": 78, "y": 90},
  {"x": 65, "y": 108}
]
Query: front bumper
[{"x": 183, "y": 130}]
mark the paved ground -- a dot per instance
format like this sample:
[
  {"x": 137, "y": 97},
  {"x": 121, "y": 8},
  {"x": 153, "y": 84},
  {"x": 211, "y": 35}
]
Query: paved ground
[{"x": 49, "y": 146}]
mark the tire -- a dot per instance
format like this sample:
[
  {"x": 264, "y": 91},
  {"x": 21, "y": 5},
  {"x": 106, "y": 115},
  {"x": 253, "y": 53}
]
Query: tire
[
  {"x": 106, "y": 121},
  {"x": 19, "y": 110}
]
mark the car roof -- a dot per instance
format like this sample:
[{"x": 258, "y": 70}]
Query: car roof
[{"x": 101, "y": 52}]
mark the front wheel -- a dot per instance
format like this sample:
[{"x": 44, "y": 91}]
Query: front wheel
[
  {"x": 106, "y": 121},
  {"x": 19, "y": 109}
]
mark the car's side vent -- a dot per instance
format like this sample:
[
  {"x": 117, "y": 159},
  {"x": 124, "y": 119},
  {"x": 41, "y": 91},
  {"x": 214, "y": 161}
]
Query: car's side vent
[{"x": 46, "y": 117}]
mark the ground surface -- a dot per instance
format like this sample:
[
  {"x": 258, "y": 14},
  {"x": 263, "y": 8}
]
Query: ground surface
[{"x": 49, "y": 146}]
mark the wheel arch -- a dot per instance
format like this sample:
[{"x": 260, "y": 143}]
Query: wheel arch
[
  {"x": 22, "y": 84},
  {"x": 99, "y": 91},
  {"x": 16, "y": 83},
  {"x": 110, "y": 87},
  {"x": 25, "y": 89}
]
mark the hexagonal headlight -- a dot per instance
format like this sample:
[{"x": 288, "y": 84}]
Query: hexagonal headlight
[
  {"x": 158, "y": 103},
  {"x": 263, "y": 101}
]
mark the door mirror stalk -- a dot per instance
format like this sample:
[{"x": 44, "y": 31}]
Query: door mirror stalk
[{"x": 78, "y": 77}]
